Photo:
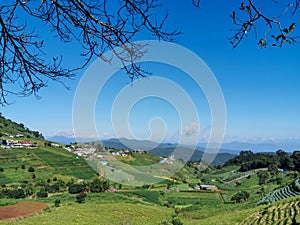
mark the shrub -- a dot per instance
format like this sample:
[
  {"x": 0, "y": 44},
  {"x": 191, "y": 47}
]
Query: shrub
[
  {"x": 176, "y": 220},
  {"x": 75, "y": 188},
  {"x": 57, "y": 202},
  {"x": 98, "y": 185},
  {"x": 80, "y": 198},
  {"x": 42, "y": 194},
  {"x": 52, "y": 188},
  {"x": 31, "y": 169},
  {"x": 240, "y": 196},
  {"x": 14, "y": 193},
  {"x": 1, "y": 169},
  {"x": 165, "y": 222}
]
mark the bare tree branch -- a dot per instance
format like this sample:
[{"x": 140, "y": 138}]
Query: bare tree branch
[
  {"x": 96, "y": 25},
  {"x": 249, "y": 17}
]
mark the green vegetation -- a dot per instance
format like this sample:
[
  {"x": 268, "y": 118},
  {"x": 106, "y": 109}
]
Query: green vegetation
[
  {"x": 249, "y": 161},
  {"x": 106, "y": 213},
  {"x": 282, "y": 193},
  {"x": 8, "y": 127},
  {"x": 75, "y": 193},
  {"x": 286, "y": 212},
  {"x": 45, "y": 162},
  {"x": 139, "y": 159}
]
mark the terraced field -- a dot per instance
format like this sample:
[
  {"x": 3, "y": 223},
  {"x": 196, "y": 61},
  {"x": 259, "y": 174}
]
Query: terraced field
[
  {"x": 291, "y": 190},
  {"x": 47, "y": 162},
  {"x": 285, "y": 213}
]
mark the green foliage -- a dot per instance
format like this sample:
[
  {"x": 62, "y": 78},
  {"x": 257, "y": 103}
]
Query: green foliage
[
  {"x": 42, "y": 194},
  {"x": 52, "y": 188},
  {"x": 262, "y": 176},
  {"x": 296, "y": 160},
  {"x": 31, "y": 169},
  {"x": 75, "y": 188},
  {"x": 286, "y": 212},
  {"x": 57, "y": 203},
  {"x": 16, "y": 194},
  {"x": 241, "y": 196},
  {"x": 80, "y": 198},
  {"x": 98, "y": 185},
  {"x": 9, "y": 127},
  {"x": 282, "y": 193},
  {"x": 249, "y": 161}
]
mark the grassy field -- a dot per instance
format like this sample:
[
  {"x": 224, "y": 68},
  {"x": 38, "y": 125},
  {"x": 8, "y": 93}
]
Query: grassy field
[
  {"x": 140, "y": 159},
  {"x": 149, "y": 204},
  {"x": 106, "y": 213},
  {"x": 142, "y": 206}
]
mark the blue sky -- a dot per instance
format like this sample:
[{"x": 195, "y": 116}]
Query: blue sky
[{"x": 260, "y": 86}]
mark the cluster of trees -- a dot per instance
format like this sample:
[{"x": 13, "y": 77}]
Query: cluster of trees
[
  {"x": 7, "y": 193},
  {"x": 44, "y": 188},
  {"x": 240, "y": 196},
  {"x": 247, "y": 160},
  {"x": 96, "y": 186},
  {"x": 27, "y": 190}
]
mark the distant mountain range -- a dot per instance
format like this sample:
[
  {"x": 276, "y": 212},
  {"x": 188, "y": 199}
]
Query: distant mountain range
[
  {"x": 230, "y": 147},
  {"x": 226, "y": 152}
]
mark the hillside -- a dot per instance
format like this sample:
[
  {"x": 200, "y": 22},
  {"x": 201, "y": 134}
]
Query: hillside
[
  {"x": 9, "y": 128},
  {"x": 24, "y": 148},
  {"x": 285, "y": 212},
  {"x": 48, "y": 162},
  {"x": 56, "y": 174}
]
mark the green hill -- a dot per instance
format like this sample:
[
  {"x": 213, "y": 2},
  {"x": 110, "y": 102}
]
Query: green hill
[
  {"x": 49, "y": 167},
  {"x": 48, "y": 162},
  {"x": 9, "y": 128}
]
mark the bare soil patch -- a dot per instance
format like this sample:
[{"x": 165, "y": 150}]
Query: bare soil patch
[{"x": 21, "y": 210}]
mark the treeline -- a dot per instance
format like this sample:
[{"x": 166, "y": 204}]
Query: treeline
[
  {"x": 247, "y": 160},
  {"x": 41, "y": 190}
]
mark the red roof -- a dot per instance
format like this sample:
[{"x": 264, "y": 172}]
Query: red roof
[{"x": 25, "y": 142}]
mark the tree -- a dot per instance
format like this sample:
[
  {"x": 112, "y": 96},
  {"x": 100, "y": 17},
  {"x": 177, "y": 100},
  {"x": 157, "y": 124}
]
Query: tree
[
  {"x": 80, "y": 198},
  {"x": 273, "y": 169},
  {"x": 240, "y": 196},
  {"x": 42, "y": 194},
  {"x": 296, "y": 159},
  {"x": 91, "y": 23},
  {"x": 97, "y": 26},
  {"x": 31, "y": 169},
  {"x": 75, "y": 188},
  {"x": 262, "y": 176},
  {"x": 57, "y": 202},
  {"x": 285, "y": 162},
  {"x": 98, "y": 185}
]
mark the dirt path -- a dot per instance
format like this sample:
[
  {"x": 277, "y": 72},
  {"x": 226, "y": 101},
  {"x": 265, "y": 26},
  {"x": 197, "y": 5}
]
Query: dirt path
[{"x": 21, "y": 210}]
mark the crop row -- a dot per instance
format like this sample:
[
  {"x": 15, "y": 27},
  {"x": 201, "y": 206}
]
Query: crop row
[
  {"x": 281, "y": 193},
  {"x": 287, "y": 213}
]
